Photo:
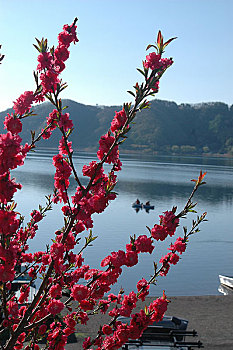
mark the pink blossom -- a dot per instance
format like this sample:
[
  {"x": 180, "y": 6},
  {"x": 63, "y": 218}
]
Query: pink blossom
[
  {"x": 68, "y": 35},
  {"x": 106, "y": 329},
  {"x": 12, "y": 307},
  {"x": 79, "y": 292},
  {"x": 153, "y": 61},
  {"x": 179, "y": 245},
  {"x": 118, "y": 121},
  {"x": 55, "y": 291},
  {"x": 131, "y": 258},
  {"x": 46, "y": 134},
  {"x": 45, "y": 61},
  {"x": 8, "y": 187},
  {"x": 59, "y": 66},
  {"x": 61, "y": 53},
  {"x": 24, "y": 293},
  {"x": 158, "y": 307},
  {"x": 49, "y": 81},
  {"x": 65, "y": 122},
  {"x": 174, "y": 258},
  {"x": 57, "y": 339},
  {"x": 64, "y": 148},
  {"x": 12, "y": 124},
  {"x": 55, "y": 306},
  {"x": 105, "y": 143},
  {"x": 143, "y": 287},
  {"x": 52, "y": 119},
  {"x": 7, "y": 273},
  {"x": 143, "y": 244},
  {"x": 87, "y": 343},
  {"x": 166, "y": 62},
  {"x": 169, "y": 221},
  {"x": 93, "y": 170},
  {"x": 11, "y": 152},
  {"x": 8, "y": 222},
  {"x": 36, "y": 216},
  {"x": 159, "y": 232},
  {"x": 24, "y": 102},
  {"x": 57, "y": 250}
]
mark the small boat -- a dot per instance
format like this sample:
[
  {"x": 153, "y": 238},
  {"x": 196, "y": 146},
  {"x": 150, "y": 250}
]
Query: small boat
[
  {"x": 148, "y": 206},
  {"x": 226, "y": 281},
  {"x": 137, "y": 205}
]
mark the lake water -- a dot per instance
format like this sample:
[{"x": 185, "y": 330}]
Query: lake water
[{"x": 165, "y": 181}]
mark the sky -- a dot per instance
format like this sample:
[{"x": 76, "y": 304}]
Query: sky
[{"x": 113, "y": 36}]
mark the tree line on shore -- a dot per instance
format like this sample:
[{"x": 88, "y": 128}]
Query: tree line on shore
[{"x": 166, "y": 127}]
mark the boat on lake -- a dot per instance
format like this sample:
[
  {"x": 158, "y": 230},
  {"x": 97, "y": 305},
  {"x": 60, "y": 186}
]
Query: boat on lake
[
  {"x": 148, "y": 206},
  {"x": 138, "y": 205},
  {"x": 226, "y": 281}
]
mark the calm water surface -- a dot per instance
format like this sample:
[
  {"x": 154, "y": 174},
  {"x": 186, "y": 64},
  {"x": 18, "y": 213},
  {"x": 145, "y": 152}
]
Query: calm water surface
[{"x": 165, "y": 181}]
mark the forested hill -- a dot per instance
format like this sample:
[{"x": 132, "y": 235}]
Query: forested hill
[{"x": 165, "y": 128}]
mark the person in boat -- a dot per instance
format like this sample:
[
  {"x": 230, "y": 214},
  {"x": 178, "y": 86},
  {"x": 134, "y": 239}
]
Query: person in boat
[
  {"x": 148, "y": 203},
  {"x": 137, "y": 201}
]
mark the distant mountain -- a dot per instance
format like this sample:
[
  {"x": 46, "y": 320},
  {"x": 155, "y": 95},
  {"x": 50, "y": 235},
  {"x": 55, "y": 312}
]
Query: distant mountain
[{"x": 165, "y": 128}]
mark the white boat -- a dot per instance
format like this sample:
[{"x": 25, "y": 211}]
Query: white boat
[
  {"x": 226, "y": 280},
  {"x": 225, "y": 290}
]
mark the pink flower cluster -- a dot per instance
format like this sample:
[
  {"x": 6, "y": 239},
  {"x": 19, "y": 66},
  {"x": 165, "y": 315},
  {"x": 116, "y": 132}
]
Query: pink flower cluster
[
  {"x": 168, "y": 225},
  {"x": 12, "y": 153},
  {"x": 118, "y": 121},
  {"x": 106, "y": 143},
  {"x": 52, "y": 63},
  {"x": 158, "y": 65},
  {"x": 172, "y": 258},
  {"x": 13, "y": 124},
  {"x": 23, "y": 104},
  {"x": 61, "y": 178},
  {"x": 156, "y": 62}
]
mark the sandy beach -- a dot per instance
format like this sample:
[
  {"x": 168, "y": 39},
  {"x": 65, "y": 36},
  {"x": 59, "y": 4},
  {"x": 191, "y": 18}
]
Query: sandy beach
[{"x": 211, "y": 316}]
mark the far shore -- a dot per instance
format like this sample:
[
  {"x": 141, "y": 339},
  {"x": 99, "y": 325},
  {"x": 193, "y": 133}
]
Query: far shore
[{"x": 151, "y": 153}]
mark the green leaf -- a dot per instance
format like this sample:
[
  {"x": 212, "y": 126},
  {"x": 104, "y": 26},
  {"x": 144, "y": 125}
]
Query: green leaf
[
  {"x": 131, "y": 93},
  {"x": 141, "y": 71},
  {"x": 168, "y": 42},
  {"x": 149, "y": 46},
  {"x": 37, "y": 47}
]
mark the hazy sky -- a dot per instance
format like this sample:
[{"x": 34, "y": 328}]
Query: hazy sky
[{"x": 113, "y": 36}]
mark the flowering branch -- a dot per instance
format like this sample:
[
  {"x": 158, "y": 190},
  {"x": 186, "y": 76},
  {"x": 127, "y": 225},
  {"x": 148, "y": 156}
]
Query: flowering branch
[{"x": 60, "y": 267}]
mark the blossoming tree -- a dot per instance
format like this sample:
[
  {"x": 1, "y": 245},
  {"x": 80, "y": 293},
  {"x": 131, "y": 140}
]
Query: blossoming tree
[{"x": 61, "y": 265}]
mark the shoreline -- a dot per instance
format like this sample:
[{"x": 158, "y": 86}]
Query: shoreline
[{"x": 210, "y": 315}]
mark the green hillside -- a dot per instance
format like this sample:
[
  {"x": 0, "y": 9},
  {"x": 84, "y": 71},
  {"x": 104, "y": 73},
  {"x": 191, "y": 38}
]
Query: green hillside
[{"x": 165, "y": 128}]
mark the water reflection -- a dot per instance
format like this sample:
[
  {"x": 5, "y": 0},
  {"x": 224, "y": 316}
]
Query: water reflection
[{"x": 165, "y": 181}]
